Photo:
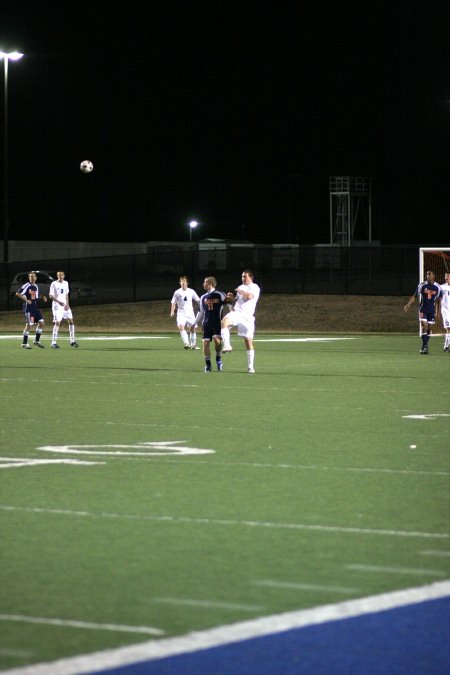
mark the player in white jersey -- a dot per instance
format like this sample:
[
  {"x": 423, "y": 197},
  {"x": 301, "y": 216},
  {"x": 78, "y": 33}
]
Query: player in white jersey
[
  {"x": 445, "y": 310},
  {"x": 59, "y": 293},
  {"x": 182, "y": 301},
  {"x": 243, "y": 316}
]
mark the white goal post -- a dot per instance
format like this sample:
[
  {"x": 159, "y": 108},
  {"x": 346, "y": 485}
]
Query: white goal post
[{"x": 435, "y": 260}]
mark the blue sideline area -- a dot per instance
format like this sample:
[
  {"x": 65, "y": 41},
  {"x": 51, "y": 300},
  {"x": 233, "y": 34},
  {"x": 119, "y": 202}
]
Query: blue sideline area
[{"x": 405, "y": 641}]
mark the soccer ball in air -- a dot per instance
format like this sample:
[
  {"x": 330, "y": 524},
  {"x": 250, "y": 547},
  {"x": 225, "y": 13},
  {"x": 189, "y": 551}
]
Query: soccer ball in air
[{"x": 86, "y": 166}]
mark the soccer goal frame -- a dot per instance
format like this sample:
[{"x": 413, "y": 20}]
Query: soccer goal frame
[{"x": 435, "y": 260}]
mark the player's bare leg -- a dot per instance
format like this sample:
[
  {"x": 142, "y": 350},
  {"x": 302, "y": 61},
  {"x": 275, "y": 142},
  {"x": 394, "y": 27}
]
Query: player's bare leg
[{"x": 250, "y": 354}]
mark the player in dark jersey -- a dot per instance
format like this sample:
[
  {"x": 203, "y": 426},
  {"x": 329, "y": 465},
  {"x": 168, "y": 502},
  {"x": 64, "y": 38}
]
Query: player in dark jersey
[
  {"x": 210, "y": 315},
  {"x": 29, "y": 293},
  {"x": 428, "y": 292}
]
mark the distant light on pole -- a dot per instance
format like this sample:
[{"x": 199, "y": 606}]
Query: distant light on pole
[
  {"x": 6, "y": 56},
  {"x": 192, "y": 225}
]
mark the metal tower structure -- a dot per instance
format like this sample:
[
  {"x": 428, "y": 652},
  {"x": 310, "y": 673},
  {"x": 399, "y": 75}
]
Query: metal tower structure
[{"x": 350, "y": 210}]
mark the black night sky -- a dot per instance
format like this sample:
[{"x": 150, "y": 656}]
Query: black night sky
[{"x": 232, "y": 113}]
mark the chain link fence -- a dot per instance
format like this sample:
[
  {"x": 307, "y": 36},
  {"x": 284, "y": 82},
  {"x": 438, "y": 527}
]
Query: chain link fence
[{"x": 359, "y": 270}]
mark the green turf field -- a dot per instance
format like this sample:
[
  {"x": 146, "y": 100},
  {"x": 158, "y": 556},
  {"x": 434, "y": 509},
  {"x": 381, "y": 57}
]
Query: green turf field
[{"x": 141, "y": 497}]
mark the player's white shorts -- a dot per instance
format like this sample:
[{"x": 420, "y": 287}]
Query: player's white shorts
[
  {"x": 446, "y": 318},
  {"x": 184, "y": 318},
  {"x": 245, "y": 324},
  {"x": 59, "y": 313}
]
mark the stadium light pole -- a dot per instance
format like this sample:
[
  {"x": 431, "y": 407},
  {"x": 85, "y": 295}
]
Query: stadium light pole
[
  {"x": 192, "y": 225},
  {"x": 6, "y": 56}
]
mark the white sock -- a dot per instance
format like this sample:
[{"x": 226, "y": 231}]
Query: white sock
[
  {"x": 54, "y": 334},
  {"x": 184, "y": 337},
  {"x": 193, "y": 339},
  {"x": 250, "y": 357},
  {"x": 225, "y": 332},
  {"x": 72, "y": 332}
]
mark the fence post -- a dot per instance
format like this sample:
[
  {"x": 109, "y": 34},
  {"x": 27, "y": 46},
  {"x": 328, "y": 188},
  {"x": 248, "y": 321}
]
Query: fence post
[{"x": 134, "y": 277}]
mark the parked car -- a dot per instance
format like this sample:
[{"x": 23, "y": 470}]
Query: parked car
[{"x": 78, "y": 289}]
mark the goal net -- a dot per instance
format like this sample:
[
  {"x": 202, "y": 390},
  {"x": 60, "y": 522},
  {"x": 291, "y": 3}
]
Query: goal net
[{"x": 435, "y": 260}]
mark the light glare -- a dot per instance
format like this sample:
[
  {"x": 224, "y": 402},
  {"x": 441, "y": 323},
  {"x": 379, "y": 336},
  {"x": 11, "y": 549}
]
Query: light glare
[{"x": 12, "y": 56}]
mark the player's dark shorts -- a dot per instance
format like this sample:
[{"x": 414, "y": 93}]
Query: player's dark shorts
[
  {"x": 429, "y": 317},
  {"x": 33, "y": 315},
  {"x": 210, "y": 330}
]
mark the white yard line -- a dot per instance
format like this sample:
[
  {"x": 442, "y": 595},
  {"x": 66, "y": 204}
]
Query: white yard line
[
  {"x": 86, "y": 625},
  {"x": 298, "y": 586},
  {"x": 100, "y": 337},
  {"x": 308, "y": 339},
  {"x": 315, "y": 467},
  {"x": 234, "y": 633},
  {"x": 396, "y": 570},
  {"x": 18, "y": 336},
  {"x": 436, "y": 553},
  {"x": 127, "y": 337},
  {"x": 425, "y": 416},
  {"x": 256, "y": 465},
  {"x": 208, "y": 604},
  {"x": 181, "y": 520},
  {"x": 16, "y": 462}
]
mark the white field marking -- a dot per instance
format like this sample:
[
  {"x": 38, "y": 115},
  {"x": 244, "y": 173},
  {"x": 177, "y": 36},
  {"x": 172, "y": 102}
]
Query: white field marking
[
  {"x": 86, "y": 625},
  {"x": 311, "y": 339},
  {"x": 208, "y": 604},
  {"x": 234, "y": 387},
  {"x": 154, "y": 425},
  {"x": 168, "y": 337},
  {"x": 17, "y": 653},
  {"x": 128, "y": 337},
  {"x": 426, "y": 416},
  {"x": 436, "y": 553},
  {"x": 308, "y": 467},
  {"x": 294, "y": 585},
  {"x": 396, "y": 570},
  {"x": 144, "y": 449},
  {"x": 236, "y": 632},
  {"x": 181, "y": 520},
  {"x": 15, "y": 462}
]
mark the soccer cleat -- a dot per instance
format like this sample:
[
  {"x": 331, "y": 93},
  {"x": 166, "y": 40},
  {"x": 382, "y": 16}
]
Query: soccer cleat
[
  {"x": 74, "y": 344},
  {"x": 38, "y": 344},
  {"x": 219, "y": 366},
  {"x": 424, "y": 350},
  {"x": 251, "y": 370},
  {"x": 54, "y": 346},
  {"x": 194, "y": 347},
  {"x": 229, "y": 348},
  {"x": 446, "y": 349},
  {"x": 26, "y": 346},
  {"x": 208, "y": 369},
  {"x": 187, "y": 346}
]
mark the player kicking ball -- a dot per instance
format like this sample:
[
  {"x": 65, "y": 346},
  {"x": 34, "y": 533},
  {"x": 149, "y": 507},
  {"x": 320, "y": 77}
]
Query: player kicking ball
[{"x": 243, "y": 316}]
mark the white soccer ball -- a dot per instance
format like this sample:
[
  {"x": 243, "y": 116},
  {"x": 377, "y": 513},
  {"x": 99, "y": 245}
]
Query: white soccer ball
[{"x": 86, "y": 166}]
